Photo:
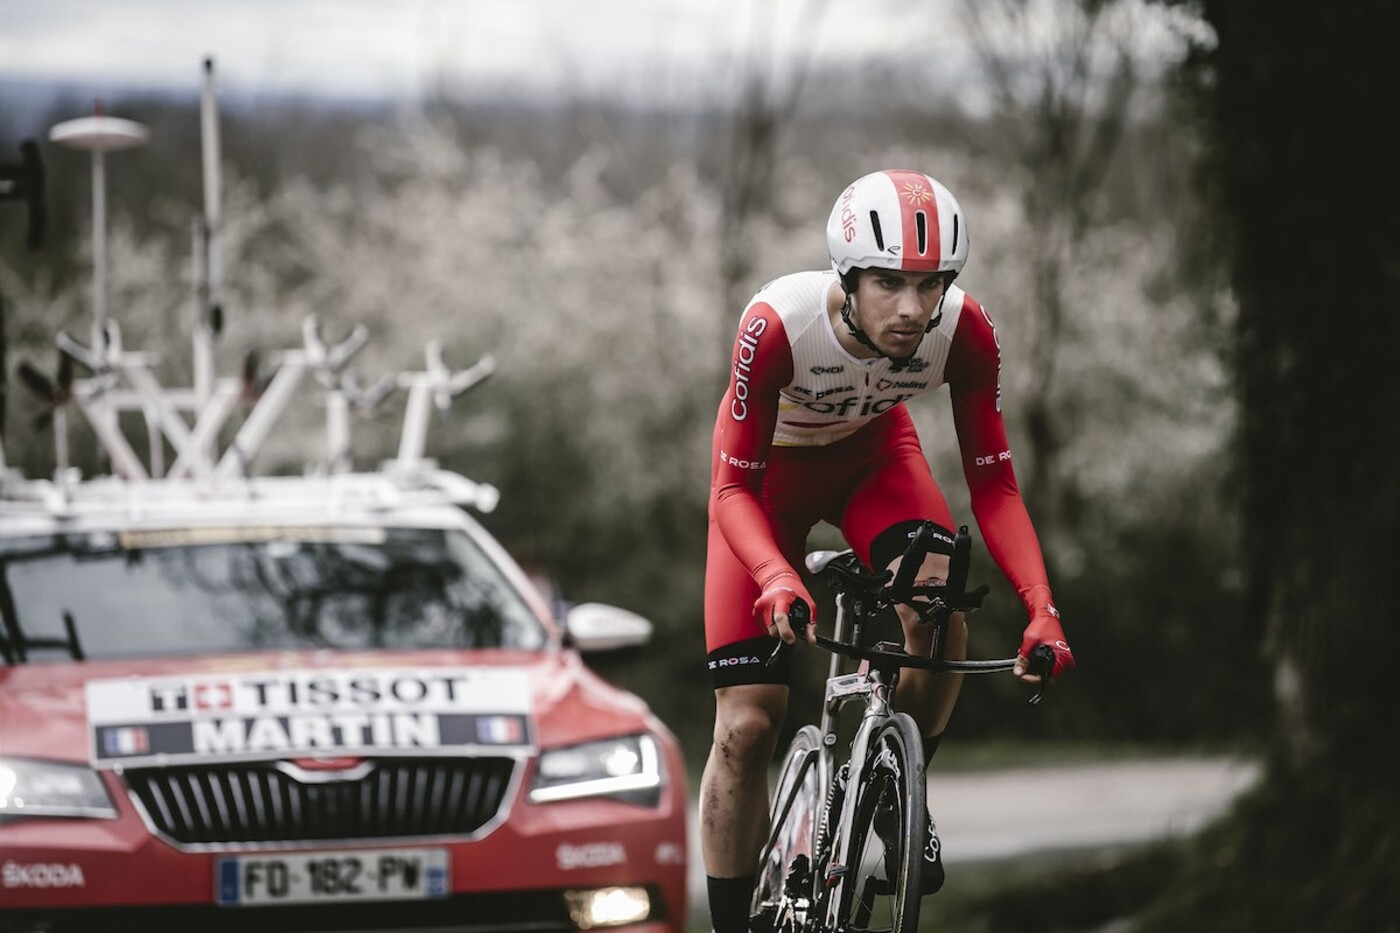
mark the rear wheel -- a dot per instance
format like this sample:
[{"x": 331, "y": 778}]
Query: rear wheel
[
  {"x": 879, "y": 889},
  {"x": 782, "y": 894}
]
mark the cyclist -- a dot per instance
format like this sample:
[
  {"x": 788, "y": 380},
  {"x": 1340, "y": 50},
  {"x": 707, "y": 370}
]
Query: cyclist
[{"x": 814, "y": 428}]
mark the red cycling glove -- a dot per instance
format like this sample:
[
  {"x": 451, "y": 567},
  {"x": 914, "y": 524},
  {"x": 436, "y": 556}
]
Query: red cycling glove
[
  {"x": 778, "y": 595},
  {"x": 1045, "y": 629}
]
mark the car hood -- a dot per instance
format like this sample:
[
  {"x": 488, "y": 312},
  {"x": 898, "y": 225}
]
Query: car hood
[{"x": 308, "y": 705}]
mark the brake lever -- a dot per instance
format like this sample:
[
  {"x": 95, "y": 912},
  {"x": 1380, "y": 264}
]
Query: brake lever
[
  {"x": 1042, "y": 662},
  {"x": 799, "y": 616}
]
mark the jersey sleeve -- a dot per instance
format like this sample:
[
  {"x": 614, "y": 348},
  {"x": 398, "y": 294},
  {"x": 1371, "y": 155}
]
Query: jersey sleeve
[
  {"x": 761, "y": 366},
  {"x": 974, "y": 382}
]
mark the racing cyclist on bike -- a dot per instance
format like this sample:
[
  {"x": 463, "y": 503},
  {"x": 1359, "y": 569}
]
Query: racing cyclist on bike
[{"x": 814, "y": 428}]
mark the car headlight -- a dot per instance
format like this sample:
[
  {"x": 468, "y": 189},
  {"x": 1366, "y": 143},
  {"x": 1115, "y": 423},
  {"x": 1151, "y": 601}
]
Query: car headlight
[
  {"x": 607, "y": 907},
  {"x": 49, "y": 788},
  {"x": 627, "y": 767}
]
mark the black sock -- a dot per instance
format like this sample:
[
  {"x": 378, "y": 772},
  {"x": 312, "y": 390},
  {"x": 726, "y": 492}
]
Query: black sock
[
  {"x": 729, "y": 903},
  {"x": 931, "y": 746}
]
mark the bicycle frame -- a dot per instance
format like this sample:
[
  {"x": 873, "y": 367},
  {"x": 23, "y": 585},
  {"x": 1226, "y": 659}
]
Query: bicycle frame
[{"x": 874, "y": 688}]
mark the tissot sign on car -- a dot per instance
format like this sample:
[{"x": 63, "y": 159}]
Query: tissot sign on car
[{"x": 308, "y": 712}]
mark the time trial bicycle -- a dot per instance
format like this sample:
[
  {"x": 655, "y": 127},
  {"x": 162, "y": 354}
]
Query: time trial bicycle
[{"x": 848, "y": 860}]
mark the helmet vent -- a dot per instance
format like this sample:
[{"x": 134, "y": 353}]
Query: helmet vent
[
  {"x": 921, "y": 230},
  {"x": 879, "y": 237},
  {"x": 955, "y": 233}
]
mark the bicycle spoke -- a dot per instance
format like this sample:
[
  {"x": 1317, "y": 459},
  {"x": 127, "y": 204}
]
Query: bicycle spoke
[
  {"x": 783, "y": 892},
  {"x": 865, "y": 905}
]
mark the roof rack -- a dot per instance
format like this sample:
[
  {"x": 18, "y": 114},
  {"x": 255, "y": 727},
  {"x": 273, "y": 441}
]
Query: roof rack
[{"x": 191, "y": 419}]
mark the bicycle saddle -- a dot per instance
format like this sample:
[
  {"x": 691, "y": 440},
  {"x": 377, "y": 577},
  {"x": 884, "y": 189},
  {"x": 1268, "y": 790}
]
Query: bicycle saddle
[
  {"x": 817, "y": 561},
  {"x": 836, "y": 566}
]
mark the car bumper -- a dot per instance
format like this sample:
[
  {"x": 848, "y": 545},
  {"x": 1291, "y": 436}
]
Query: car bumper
[
  {"x": 58, "y": 876},
  {"x": 459, "y": 914}
]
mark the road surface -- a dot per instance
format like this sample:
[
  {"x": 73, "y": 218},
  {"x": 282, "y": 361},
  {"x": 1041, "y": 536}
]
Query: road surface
[
  {"x": 1007, "y": 813},
  {"x": 1001, "y": 814}
]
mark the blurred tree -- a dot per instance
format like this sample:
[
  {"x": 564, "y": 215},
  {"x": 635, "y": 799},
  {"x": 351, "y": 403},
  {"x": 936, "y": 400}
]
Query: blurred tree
[
  {"x": 770, "y": 79},
  {"x": 1300, "y": 99},
  {"x": 1074, "y": 177},
  {"x": 1062, "y": 78}
]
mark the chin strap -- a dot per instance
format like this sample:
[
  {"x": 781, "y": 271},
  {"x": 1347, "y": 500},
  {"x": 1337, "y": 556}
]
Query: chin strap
[
  {"x": 856, "y": 332},
  {"x": 896, "y": 363}
]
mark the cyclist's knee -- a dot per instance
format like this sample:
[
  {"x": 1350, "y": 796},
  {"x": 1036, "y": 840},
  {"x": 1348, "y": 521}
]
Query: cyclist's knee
[
  {"x": 747, "y": 722},
  {"x": 933, "y": 570},
  {"x": 918, "y": 636}
]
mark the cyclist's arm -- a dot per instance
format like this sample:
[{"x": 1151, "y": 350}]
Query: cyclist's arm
[
  {"x": 974, "y": 372},
  {"x": 760, "y": 367}
]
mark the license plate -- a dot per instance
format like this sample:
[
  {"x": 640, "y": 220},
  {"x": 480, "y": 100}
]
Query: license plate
[{"x": 323, "y": 877}]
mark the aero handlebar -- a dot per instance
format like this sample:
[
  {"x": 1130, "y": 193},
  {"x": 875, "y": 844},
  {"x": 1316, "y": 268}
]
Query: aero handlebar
[{"x": 933, "y": 602}]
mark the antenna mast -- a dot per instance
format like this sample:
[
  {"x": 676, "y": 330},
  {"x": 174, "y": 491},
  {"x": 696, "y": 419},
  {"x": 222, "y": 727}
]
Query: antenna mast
[
  {"x": 99, "y": 134},
  {"x": 209, "y": 320}
]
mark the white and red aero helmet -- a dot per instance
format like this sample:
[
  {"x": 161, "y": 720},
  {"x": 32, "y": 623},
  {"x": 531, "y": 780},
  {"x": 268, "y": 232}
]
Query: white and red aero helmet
[{"x": 897, "y": 220}]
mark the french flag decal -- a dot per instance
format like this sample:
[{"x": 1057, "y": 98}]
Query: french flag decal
[
  {"x": 500, "y": 730},
  {"x": 127, "y": 740}
]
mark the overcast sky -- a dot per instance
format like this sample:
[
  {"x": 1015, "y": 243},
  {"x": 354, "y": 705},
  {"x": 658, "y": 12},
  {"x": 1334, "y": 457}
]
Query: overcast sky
[{"x": 401, "y": 47}]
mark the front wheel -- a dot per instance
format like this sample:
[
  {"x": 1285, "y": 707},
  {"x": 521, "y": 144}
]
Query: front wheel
[
  {"x": 880, "y": 883},
  {"x": 782, "y": 894}
]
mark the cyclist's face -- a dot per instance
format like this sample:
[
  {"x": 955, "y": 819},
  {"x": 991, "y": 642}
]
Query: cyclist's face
[{"x": 894, "y": 308}]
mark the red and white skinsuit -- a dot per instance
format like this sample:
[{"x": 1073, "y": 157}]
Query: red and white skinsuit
[{"x": 807, "y": 432}]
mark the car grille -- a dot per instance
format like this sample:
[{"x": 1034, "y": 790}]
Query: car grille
[{"x": 258, "y": 803}]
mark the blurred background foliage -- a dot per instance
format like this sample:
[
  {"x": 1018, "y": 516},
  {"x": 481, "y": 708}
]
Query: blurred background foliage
[{"x": 602, "y": 252}]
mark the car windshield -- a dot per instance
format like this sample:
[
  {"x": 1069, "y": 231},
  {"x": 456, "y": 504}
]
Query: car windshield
[{"x": 198, "y": 591}]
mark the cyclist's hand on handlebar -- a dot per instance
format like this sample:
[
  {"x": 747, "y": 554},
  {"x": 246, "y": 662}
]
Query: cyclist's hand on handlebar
[
  {"x": 774, "y": 609},
  {"x": 1044, "y": 630}
]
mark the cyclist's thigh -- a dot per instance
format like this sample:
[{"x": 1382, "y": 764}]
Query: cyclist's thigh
[
  {"x": 894, "y": 495},
  {"x": 800, "y": 487},
  {"x": 738, "y": 645}
]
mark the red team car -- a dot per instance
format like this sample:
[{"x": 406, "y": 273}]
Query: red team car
[
  {"x": 319, "y": 705},
  {"x": 328, "y": 701}
]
